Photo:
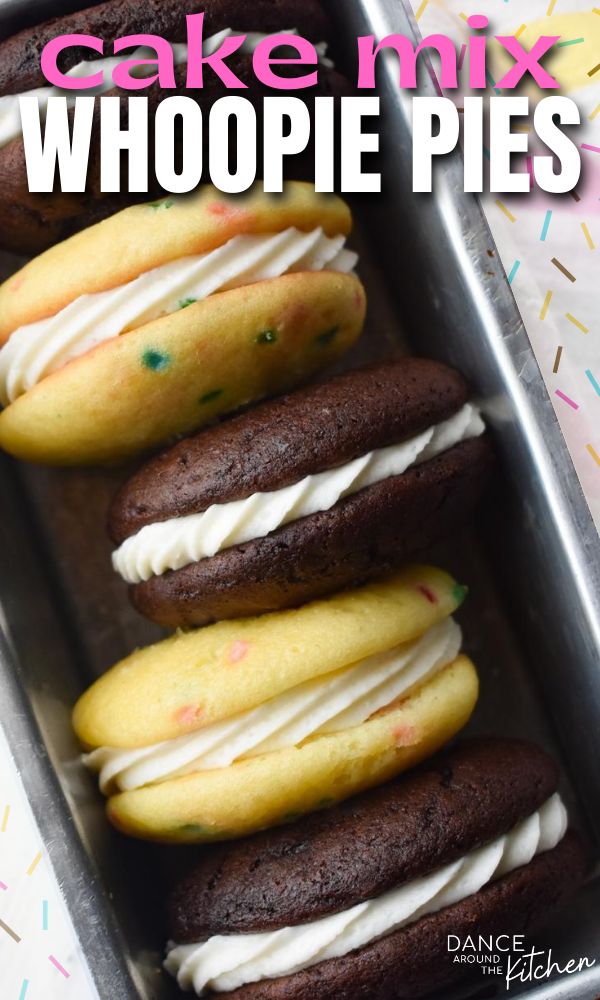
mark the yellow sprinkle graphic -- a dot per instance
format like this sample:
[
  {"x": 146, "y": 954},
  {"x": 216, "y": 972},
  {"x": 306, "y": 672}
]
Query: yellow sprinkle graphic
[
  {"x": 506, "y": 210},
  {"x": 520, "y": 31},
  {"x": 575, "y": 322},
  {"x": 34, "y": 863},
  {"x": 421, "y": 10},
  {"x": 463, "y": 15},
  {"x": 5, "y": 816},
  {"x": 594, "y": 113},
  {"x": 588, "y": 236},
  {"x": 593, "y": 453},
  {"x": 551, "y": 7},
  {"x": 544, "y": 309}
]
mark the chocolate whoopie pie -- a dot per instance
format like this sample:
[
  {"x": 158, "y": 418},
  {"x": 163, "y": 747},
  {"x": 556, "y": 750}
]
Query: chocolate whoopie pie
[
  {"x": 359, "y": 900},
  {"x": 302, "y": 496},
  {"x": 29, "y": 223}
]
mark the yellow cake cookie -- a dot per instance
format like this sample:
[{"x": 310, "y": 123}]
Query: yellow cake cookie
[
  {"x": 161, "y": 318},
  {"x": 216, "y": 733}
]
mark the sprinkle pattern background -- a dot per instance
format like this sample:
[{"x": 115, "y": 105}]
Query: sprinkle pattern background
[
  {"x": 40, "y": 956},
  {"x": 550, "y": 246}
]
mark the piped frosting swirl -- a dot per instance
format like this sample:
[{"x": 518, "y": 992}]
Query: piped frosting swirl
[
  {"x": 38, "y": 349},
  {"x": 226, "y": 962},
  {"x": 178, "y": 542},
  {"x": 326, "y": 704}
]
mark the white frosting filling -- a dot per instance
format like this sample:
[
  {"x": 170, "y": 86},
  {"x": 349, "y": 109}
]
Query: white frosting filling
[
  {"x": 227, "y": 962},
  {"x": 180, "y": 541},
  {"x": 36, "y": 350},
  {"x": 10, "y": 114},
  {"x": 326, "y": 704}
]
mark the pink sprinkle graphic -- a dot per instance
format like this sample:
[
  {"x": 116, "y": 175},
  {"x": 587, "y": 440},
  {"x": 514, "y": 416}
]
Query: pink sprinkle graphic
[
  {"x": 238, "y": 650},
  {"x": 593, "y": 149},
  {"x": 58, "y": 966},
  {"x": 567, "y": 399},
  {"x": 3, "y": 885},
  {"x": 529, "y": 162}
]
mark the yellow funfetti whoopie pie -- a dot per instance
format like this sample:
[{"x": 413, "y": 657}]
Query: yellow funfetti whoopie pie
[
  {"x": 216, "y": 733},
  {"x": 164, "y": 316}
]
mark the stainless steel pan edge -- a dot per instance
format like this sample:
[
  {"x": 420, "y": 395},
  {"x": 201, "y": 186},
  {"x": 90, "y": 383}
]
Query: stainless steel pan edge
[
  {"x": 551, "y": 561},
  {"x": 25, "y": 683},
  {"x": 84, "y": 895}
]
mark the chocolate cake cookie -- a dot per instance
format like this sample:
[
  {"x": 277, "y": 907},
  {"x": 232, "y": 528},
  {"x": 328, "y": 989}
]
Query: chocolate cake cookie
[
  {"x": 359, "y": 900},
  {"x": 306, "y": 494},
  {"x": 29, "y": 223}
]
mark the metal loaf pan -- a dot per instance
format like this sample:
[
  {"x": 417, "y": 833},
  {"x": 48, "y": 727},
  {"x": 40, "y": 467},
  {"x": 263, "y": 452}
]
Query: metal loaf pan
[{"x": 531, "y": 558}]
